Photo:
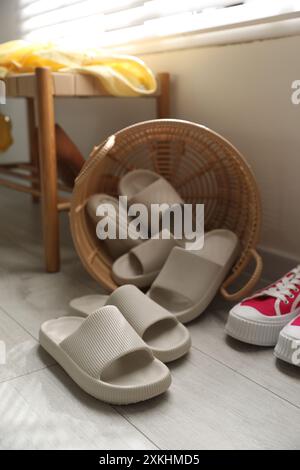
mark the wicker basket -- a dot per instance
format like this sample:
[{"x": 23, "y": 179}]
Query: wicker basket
[{"x": 200, "y": 164}]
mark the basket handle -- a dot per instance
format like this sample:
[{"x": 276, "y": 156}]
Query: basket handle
[
  {"x": 244, "y": 291},
  {"x": 98, "y": 153}
]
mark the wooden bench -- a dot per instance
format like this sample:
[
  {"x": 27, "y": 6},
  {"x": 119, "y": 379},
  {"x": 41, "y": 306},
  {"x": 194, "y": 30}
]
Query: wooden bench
[{"x": 39, "y": 178}]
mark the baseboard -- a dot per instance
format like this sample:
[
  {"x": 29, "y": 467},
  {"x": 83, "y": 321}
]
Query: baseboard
[{"x": 275, "y": 263}]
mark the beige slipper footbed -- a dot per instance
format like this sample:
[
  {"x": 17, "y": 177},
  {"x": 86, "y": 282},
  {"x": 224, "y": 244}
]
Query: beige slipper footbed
[
  {"x": 189, "y": 279},
  {"x": 164, "y": 335},
  {"x": 140, "y": 186},
  {"x": 147, "y": 187},
  {"x": 116, "y": 247},
  {"x": 105, "y": 356},
  {"x": 141, "y": 264}
]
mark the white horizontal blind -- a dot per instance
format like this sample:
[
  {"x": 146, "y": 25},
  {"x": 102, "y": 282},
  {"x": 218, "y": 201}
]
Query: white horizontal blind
[{"x": 117, "y": 23}]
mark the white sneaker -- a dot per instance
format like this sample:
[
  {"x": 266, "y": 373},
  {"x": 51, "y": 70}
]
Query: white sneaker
[{"x": 288, "y": 344}]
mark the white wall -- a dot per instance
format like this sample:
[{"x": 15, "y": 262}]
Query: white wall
[{"x": 242, "y": 91}]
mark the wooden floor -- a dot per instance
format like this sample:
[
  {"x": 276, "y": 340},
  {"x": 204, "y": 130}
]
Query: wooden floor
[{"x": 225, "y": 395}]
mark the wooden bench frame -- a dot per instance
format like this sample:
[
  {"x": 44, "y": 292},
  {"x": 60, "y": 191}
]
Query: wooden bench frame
[{"x": 39, "y": 176}]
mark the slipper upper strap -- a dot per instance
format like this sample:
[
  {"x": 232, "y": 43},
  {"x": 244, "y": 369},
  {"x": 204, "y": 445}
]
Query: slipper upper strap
[
  {"x": 186, "y": 274},
  {"x": 153, "y": 253},
  {"x": 138, "y": 309},
  {"x": 159, "y": 192},
  {"x": 116, "y": 246},
  {"x": 103, "y": 337},
  {"x": 95, "y": 200}
]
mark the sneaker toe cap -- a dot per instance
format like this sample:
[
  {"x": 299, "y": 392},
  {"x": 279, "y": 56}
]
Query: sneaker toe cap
[
  {"x": 292, "y": 332},
  {"x": 245, "y": 312}
]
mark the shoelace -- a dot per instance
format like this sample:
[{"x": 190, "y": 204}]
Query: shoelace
[{"x": 282, "y": 289}]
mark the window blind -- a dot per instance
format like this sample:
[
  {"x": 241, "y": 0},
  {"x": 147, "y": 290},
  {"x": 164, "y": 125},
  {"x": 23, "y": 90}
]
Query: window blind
[{"x": 118, "y": 23}]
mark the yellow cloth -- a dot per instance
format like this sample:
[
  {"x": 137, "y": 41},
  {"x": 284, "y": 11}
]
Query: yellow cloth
[{"x": 121, "y": 75}]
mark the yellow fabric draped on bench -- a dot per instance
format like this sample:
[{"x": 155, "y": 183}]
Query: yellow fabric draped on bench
[{"x": 121, "y": 75}]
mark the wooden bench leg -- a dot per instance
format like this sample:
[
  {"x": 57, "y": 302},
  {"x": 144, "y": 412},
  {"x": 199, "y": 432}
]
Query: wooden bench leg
[
  {"x": 33, "y": 151},
  {"x": 48, "y": 169},
  {"x": 163, "y": 100}
]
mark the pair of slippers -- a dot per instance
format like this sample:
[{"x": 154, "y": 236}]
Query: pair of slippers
[
  {"x": 117, "y": 352},
  {"x": 140, "y": 187},
  {"x": 188, "y": 280},
  {"x": 183, "y": 281}
]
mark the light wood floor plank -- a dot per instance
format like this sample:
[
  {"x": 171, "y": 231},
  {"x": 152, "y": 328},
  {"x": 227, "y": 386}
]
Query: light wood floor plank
[
  {"x": 22, "y": 352},
  {"x": 212, "y": 407},
  {"x": 257, "y": 363},
  {"x": 46, "y": 410}
]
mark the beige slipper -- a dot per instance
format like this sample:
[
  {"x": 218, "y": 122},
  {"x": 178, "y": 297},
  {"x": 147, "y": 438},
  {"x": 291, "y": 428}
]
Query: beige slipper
[
  {"x": 164, "y": 335},
  {"x": 189, "y": 279},
  {"x": 147, "y": 187},
  {"x": 141, "y": 264},
  {"x": 105, "y": 356},
  {"x": 117, "y": 246}
]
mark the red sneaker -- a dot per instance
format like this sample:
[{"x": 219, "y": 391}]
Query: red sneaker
[
  {"x": 260, "y": 318},
  {"x": 288, "y": 344}
]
